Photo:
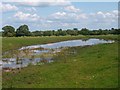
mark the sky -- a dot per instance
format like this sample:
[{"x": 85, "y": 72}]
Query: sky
[{"x": 56, "y": 15}]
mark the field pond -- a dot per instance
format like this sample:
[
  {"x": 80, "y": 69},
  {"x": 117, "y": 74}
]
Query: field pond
[{"x": 60, "y": 62}]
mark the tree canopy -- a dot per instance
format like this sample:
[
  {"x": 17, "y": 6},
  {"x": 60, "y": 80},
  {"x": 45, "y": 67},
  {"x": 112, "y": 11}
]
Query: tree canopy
[
  {"x": 8, "y": 31},
  {"x": 23, "y": 30}
]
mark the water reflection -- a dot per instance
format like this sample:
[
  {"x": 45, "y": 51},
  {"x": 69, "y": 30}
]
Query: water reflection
[
  {"x": 70, "y": 43},
  {"x": 40, "y": 54},
  {"x": 13, "y": 63}
]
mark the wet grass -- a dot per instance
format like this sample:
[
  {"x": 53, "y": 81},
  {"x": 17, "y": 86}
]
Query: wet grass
[
  {"x": 106, "y": 37},
  {"x": 10, "y": 43},
  {"x": 77, "y": 67}
]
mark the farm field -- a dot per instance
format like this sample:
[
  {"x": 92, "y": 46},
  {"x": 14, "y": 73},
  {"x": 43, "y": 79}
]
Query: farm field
[
  {"x": 59, "y": 44},
  {"x": 9, "y": 43},
  {"x": 90, "y": 67}
]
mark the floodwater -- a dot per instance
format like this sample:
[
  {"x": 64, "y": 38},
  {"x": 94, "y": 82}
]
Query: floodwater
[
  {"x": 70, "y": 43},
  {"x": 20, "y": 60}
]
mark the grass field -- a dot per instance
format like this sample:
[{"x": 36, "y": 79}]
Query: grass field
[
  {"x": 90, "y": 67},
  {"x": 9, "y": 43}
]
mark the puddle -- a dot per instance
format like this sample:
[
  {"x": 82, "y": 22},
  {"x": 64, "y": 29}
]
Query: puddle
[
  {"x": 69, "y": 43},
  {"x": 24, "y": 62},
  {"x": 40, "y": 54}
]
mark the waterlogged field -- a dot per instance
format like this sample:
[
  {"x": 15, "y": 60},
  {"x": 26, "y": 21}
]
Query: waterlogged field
[
  {"x": 14, "y": 43},
  {"x": 9, "y": 43},
  {"x": 76, "y": 67}
]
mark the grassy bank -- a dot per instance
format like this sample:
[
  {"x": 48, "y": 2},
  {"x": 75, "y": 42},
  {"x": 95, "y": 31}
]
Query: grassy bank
[
  {"x": 89, "y": 67},
  {"x": 110, "y": 37},
  {"x": 10, "y": 43},
  {"x": 17, "y": 42},
  {"x": 77, "y": 67}
]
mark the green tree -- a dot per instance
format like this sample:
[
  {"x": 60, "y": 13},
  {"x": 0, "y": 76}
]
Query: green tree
[
  {"x": 69, "y": 31},
  {"x": 23, "y": 30},
  {"x": 75, "y": 29},
  {"x": 47, "y": 33},
  {"x": 37, "y": 33},
  {"x": 61, "y": 32},
  {"x": 115, "y": 31},
  {"x": 56, "y": 33},
  {"x": 84, "y": 31},
  {"x": 9, "y": 31},
  {"x": 53, "y": 32}
]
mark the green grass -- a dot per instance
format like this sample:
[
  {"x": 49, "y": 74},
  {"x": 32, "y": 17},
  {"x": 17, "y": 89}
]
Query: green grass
[
  {"x": 90, "y": 67},
  {"x": 106, "y": 37},
  {"x": 9, "y": 43}
]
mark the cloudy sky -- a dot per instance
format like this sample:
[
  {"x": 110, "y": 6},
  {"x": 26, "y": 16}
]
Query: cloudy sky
[{"x": 65, "y": 15}]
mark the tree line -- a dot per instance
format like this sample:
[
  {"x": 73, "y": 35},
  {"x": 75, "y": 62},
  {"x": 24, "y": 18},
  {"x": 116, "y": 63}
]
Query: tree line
[{"x": 23, "y": 30}]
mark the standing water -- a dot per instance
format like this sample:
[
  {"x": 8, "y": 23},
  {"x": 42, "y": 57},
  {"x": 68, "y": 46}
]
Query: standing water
[{"x": 35, "y": 54}]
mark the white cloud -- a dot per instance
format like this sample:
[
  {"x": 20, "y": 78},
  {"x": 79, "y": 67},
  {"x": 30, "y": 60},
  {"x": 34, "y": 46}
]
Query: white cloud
[
  {"x": 82, "y": 16},
  {"x": 32, "y": 9},
  {"x": 71, "y": 9},
  {"x": 67, "y": 17},
  {"x": 107, "y": 17},
  {"x": 42, "y": 3},
  {"x": 60, "y": 2},
  {"x": 8, "y": 7},
  {"x": 59, "y": 14},
  {"x": 49, "y": 21},
  {"x": 101, "y": 14},
  {"x": 88, "y": 20},
  {"x": 115, "y": 11},
  {"x": 26, "y": 16}
]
